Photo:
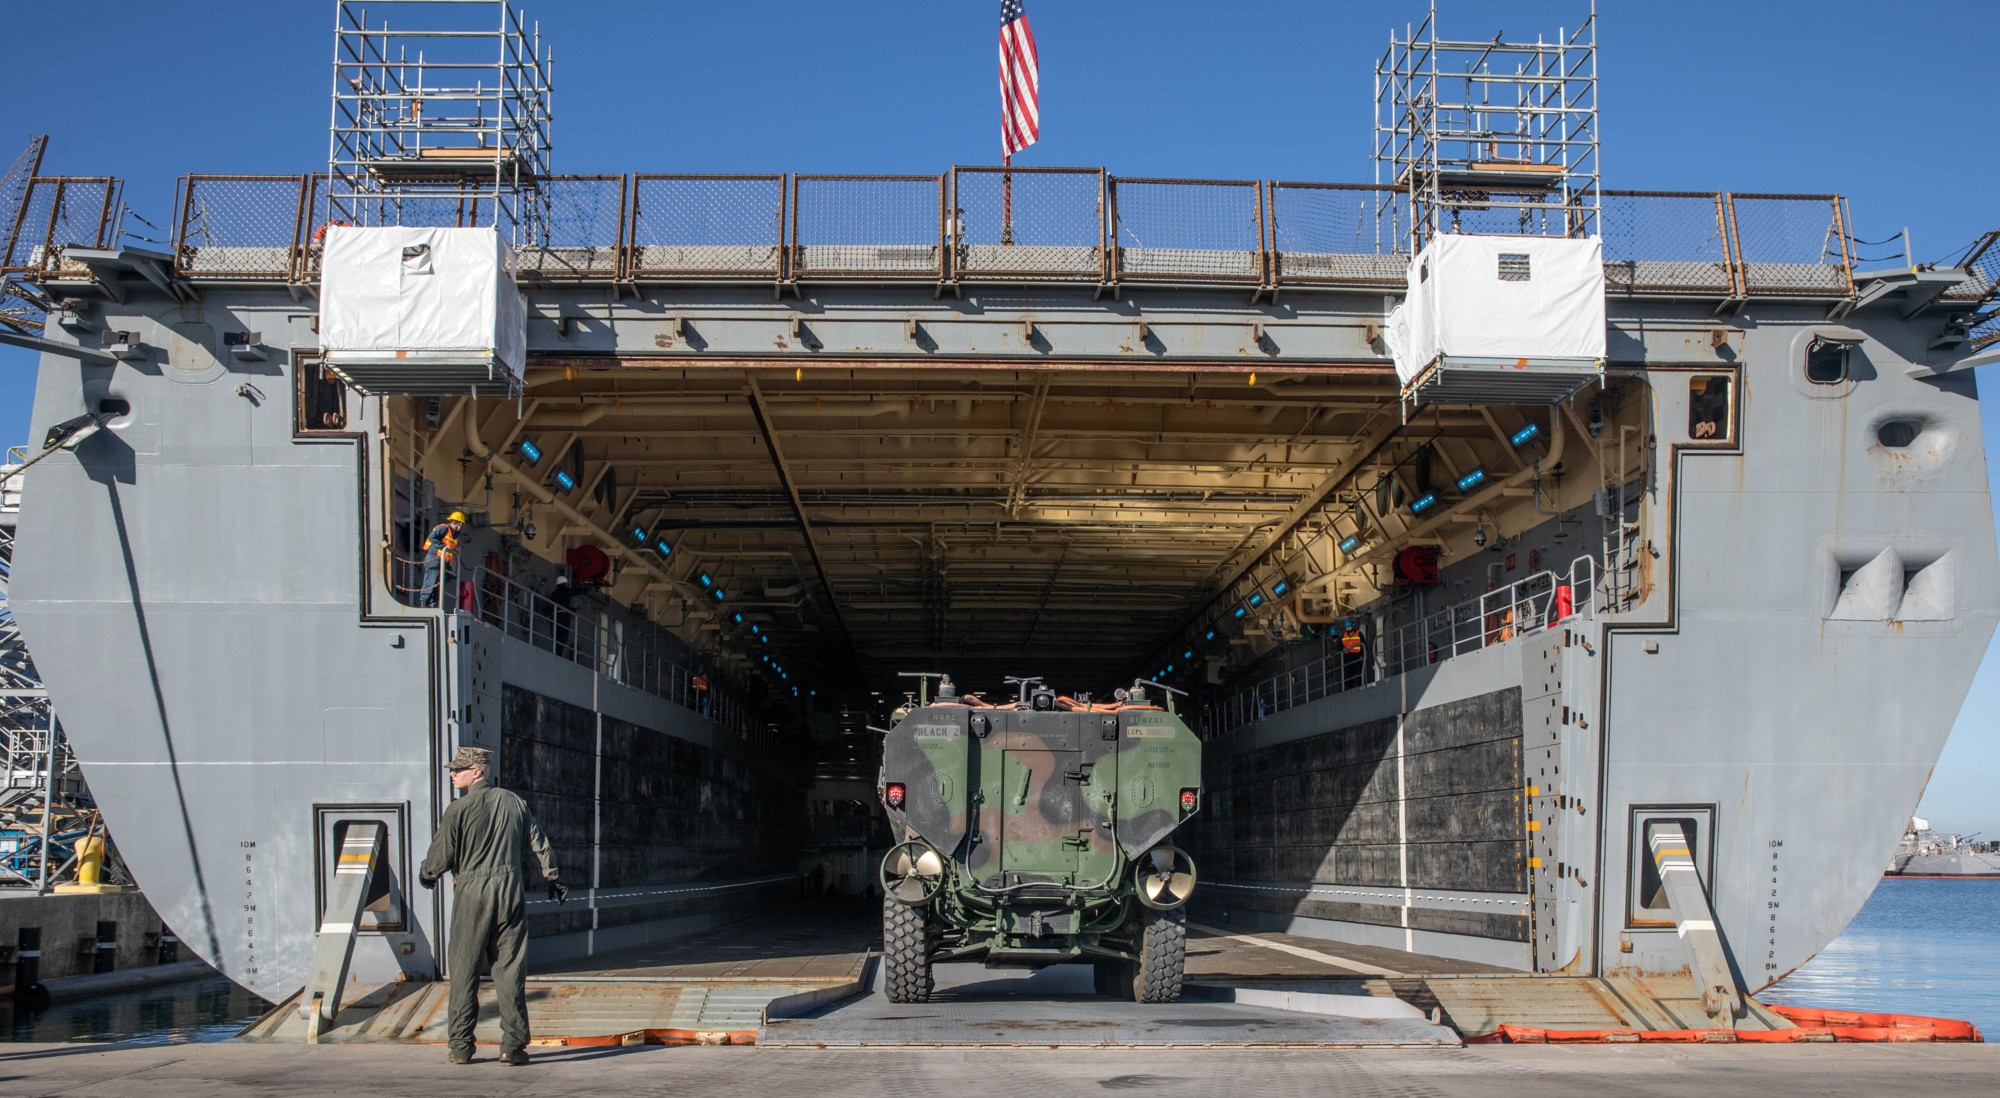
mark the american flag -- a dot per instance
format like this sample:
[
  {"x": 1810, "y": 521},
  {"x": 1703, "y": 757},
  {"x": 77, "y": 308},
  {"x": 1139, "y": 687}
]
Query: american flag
[{"x": 1020, "y": 81}]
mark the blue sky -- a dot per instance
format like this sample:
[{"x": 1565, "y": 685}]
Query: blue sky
[{"x": 1882, "y": 102}]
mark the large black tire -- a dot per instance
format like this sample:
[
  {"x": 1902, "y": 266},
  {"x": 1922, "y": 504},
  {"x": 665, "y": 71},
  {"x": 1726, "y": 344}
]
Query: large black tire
[
  {"x": 1156, "y": 978},
  {"x": 906, "y": 952}
]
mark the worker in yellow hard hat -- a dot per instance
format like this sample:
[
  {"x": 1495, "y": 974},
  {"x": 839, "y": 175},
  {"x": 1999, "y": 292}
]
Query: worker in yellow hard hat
[{"x": 439, "y": 549}]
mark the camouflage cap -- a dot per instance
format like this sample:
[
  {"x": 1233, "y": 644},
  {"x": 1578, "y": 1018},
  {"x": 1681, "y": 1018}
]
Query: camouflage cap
[{"x": 469, "y": 758}]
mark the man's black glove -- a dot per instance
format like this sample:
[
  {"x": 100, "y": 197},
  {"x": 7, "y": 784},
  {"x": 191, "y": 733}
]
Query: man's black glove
[
  {"x": 558, "y": 891},
  {"x": 427, "y": 882}
]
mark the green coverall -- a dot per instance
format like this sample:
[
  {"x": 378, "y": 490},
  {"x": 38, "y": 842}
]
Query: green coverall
[{"x": 482, "y": 841}]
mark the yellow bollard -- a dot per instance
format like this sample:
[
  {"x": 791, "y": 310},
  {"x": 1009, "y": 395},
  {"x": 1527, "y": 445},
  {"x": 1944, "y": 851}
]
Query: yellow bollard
[{"x": 89, "y": 869}]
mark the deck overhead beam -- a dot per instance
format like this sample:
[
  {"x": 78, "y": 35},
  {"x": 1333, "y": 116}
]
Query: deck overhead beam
[{"x": 763, "y": 417}]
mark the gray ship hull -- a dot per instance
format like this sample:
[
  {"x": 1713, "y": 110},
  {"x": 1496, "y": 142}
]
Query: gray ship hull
[
  {"x": 207, "y": 591},
  {"x": 1961, "y": 863}
]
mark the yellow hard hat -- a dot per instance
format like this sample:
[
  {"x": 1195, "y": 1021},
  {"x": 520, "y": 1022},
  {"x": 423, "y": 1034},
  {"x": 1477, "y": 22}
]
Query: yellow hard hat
[{"x": 457, "y": 516}]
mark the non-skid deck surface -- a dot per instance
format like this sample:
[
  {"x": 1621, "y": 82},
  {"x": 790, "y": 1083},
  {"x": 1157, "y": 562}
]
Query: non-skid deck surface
[
  {"x": 1220, "y": 954},
  {"x": 803, "y": 942},
  {"x": 974, "y": 1007},
  {"x": 717, "y": 981}
]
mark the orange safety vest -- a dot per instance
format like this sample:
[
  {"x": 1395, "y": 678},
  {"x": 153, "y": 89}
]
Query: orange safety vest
[
  {"x": 1350, "y": 641},
  {"x": 444, "y": 539},
  {"x": 700, "y": 683}
]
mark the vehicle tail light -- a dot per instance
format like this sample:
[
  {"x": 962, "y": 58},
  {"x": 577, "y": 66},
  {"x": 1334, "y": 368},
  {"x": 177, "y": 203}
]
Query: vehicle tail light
[
  {"x": 894, "y": 794},
  {"x": 1187, "y": 800}
]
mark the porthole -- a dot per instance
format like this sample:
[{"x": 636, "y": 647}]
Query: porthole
[
  {"x": 1826, "y": 362},
  {"x": 1898, "y": 434},
  {"x": 114, "y": 407}
]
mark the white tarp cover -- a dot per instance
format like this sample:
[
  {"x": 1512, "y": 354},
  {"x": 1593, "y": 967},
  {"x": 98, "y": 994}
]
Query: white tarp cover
[
  {"x": 1500, "y": 297},
  {"x": 431, "y": 292}
]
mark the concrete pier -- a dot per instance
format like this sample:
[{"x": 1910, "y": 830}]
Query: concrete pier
[{"x": 197, "y": 1071}]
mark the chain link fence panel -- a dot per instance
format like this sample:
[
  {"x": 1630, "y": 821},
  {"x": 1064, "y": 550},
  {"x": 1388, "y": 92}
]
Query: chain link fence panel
[
  {"x": 860, "y": 225},
  {"x": 1188, "y": 230},
  {"x": 61, "y": 212},
  {"x": 1027, "y": 223},
  {"x": 585, "y": 233},
  {"x": 1507, "y": 214},
  {"x": 1790, "y": 244},
  {"x": 1339, "y": 233},
  {"x": 1665, "y": 242},
  {"x": 692, "y": 226},
  {"x": 1982, "y": 271},
  {"x": 239, "y": 226}
]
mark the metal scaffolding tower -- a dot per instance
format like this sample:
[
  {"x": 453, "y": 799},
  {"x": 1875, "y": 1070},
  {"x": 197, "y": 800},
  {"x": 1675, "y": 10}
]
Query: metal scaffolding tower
[
  {"x": 40, "y": 770},
  {"x": 442, "y": 123},
  {"x": 1489, "y": 137}
]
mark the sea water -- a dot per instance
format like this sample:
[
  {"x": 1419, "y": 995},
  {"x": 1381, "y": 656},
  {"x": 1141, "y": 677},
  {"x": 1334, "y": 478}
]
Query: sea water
[
  {"x": 199, "y": 1010},
  {"x": 1919, "y": 946}
]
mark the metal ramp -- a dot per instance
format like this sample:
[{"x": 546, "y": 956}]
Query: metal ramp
[
  {"x": 974, "y": 1007},
  {"x": 561, "y": 1013},
  {"x": 1478, "y": 1006}
]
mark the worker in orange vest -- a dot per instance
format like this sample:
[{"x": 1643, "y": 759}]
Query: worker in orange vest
[
  {"x": 1353, "y": 655},
  {"x": 439, "y": 549}
]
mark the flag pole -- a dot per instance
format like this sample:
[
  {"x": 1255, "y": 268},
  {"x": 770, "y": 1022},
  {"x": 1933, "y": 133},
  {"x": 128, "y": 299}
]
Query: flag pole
[{"x": 1006, "y": 199}]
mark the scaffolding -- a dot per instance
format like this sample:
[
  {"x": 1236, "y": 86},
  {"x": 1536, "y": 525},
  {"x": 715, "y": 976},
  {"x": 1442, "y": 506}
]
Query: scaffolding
[
  {"x": 41, "y": 781},
  {"x": 1488, "y": 137},
  {"x": 442, "y": 123}
]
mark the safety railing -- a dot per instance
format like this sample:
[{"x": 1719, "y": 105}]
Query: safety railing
[
  {"x": 637, "y": 654},
  {"x": 240, "y": 226},
  {"x": 1528, "y": 605},
  {"x": 976, "y": 224},
  {"x": 60, "y": 213},
  {"x": 868, "y": 226},
  {"x": 1178, "y": 230},
  {"x": 1790, "y": 243},
  {"x": 707, "y": 226},
  {"x": 1033, "y": 224},
  {"x": 1337, "y": 233},
  {"x": 1667, "y": 242},
  {"x": 585, "y": 240}
]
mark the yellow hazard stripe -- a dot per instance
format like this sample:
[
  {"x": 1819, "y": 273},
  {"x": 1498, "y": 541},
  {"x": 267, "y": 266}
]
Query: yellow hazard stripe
[
  {"x": 1534, "y": 863},
  {"x": 1534, "y": 825},
  {"x": 1668, "y": 852},
  {"x": 356, "y": 857}
]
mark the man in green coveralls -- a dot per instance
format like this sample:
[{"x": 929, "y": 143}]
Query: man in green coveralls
[{"x": 482, "y": 841}]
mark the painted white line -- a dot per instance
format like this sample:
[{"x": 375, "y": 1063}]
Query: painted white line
[
  {"x": 1694, "y": 924},
  {"x": 1300, "y": 951}
]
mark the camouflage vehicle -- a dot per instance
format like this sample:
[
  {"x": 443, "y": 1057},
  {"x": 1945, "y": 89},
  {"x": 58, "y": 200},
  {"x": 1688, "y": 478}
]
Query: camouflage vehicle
[{"x": 1034, "y": 833}]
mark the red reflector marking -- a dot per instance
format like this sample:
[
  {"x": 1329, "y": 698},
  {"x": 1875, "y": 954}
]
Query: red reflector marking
[{"x": 894, "y": 794}]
